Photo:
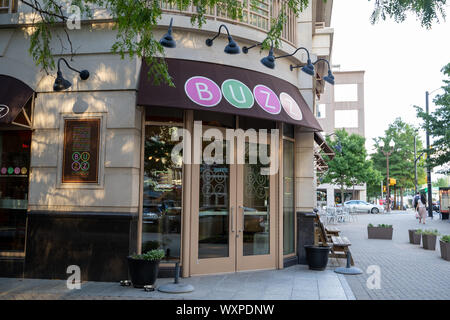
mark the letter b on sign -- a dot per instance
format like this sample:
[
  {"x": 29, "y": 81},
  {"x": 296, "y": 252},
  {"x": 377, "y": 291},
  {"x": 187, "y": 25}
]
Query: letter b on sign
[{"x": 203, "y": 91}]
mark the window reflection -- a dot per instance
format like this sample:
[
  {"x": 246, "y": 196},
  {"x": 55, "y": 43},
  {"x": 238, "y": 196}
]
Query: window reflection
[
  {"x": 161, "y": 220},
  {"x": 288, "y": 197}
]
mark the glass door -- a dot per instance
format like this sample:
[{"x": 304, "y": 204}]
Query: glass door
[
  {"x": 213, "y": 215},
  {"x": 233, "y": 220},
  {"x": 255, "y": 215}
]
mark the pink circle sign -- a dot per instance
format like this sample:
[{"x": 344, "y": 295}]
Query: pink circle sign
[
  {"x": 4, "y": 170},
  {"x": 203, "y": 91},
  {"x": 290, "y": 106},
  {"x": 267, "y": 99}
]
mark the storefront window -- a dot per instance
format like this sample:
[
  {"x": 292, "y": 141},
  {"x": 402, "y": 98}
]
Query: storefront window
[
  {"x": 288, "y": 198},
  {"x": 161, "y": 224},
  {"x": 14, "y": 170}
]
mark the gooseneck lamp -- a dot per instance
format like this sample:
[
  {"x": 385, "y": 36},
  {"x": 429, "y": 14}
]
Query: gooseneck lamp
[
  {"x": 308, "y": 68},
  {"x": 167, "y": 40},
  {"x": 63, "y": 84},
  {"x": 231, "y": 48},
  {"x": 268, "y": 61},
  {"x": 329, "y": 78}
]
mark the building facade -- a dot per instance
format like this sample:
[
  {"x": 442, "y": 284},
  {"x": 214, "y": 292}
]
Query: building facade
[
  {"x": 88, "y": 175},
  {"x": 342, "y": 107}
]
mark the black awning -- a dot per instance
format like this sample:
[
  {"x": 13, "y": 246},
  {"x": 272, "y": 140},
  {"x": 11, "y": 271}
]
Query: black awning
[
  {"x": 14, "y": 94},
  {"x": 215, "y": 87}
]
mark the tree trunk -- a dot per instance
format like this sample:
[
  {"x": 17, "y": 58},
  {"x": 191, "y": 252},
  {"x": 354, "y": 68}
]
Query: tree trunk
[
  {"x": 342, "y": 194},
  {"x": 353, "y": 194},
  {"x": 401, "y": 195}
]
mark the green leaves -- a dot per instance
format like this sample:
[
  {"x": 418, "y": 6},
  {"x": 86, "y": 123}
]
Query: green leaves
[
  {"x": 152, "y": 255},
  {"x": 437, "y": 124},
  {"x": 426, "y": 11}
]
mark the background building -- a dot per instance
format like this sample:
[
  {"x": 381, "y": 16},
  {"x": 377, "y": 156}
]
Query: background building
[{"x": 342, "y": 107}]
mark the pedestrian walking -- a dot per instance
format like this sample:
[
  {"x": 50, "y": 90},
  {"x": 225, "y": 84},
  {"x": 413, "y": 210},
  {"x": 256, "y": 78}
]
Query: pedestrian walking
[
  {"x": 422, "y": 208},
  {"x": 415, "y": 203}
]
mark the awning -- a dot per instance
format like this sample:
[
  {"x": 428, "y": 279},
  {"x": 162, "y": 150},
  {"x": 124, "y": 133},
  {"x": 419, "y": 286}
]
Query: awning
[
  {"x": 14, "y": 94},
  {"x": 220, "y": 88},
  {"x": 320, "y": 163},
  {"x": 320, "y": 140}
]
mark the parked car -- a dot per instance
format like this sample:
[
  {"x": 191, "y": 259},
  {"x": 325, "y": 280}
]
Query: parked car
[{"x": 362, "y": 206}]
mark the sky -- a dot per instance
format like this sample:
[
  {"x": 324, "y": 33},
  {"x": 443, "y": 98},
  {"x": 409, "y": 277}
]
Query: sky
[{"x": 401, "y": 61}]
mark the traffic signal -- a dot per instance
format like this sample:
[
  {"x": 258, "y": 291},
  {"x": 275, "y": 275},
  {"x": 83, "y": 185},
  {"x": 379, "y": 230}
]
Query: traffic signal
[
  {"x": 384, "y": 188},
  {"x": 392, "y": 181}
]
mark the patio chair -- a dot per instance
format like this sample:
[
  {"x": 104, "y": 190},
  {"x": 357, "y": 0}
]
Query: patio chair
[{"x": 331, "y": 215}]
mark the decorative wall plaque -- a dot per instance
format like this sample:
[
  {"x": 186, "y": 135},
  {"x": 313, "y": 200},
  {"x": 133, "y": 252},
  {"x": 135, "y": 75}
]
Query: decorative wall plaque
[{"x": 81, "y": 150}]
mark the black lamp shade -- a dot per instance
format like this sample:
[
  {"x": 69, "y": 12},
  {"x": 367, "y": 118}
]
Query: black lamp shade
[
  {"x": 232, "y": 47},
  {"x": 269, "y": 61},
  {"x": 61, "y": 83},
  {"x": 329, "y": 78},
  {"x": 167, "y": 40},
  {"x": 308, "y": 68}
]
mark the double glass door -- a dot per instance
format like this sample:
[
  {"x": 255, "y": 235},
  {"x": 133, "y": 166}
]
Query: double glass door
[{"x": 233, "y": 214}]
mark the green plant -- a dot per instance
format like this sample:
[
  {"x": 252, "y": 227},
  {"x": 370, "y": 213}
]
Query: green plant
[
  {"x": 389, "y": 226},
  {"x": 152, "y": 255},
  {"x": 370, "y": 225},
  {"x": 430, "y": 232},
  {"x": 445, "y": 238}
]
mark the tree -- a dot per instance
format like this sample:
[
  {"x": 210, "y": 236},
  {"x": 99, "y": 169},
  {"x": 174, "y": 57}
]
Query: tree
[
  {"x": 443, "y": 182},
  {"x": 349, "y": 166},
  {"x": 438, "y": 125},
  {"x": 135, "y": 22},
  {"x": 401, "y": 161}
]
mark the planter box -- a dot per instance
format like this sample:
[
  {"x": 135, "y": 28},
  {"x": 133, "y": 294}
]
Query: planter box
[
  {"x": 380, "y": 233},
  {"x": 429, "y": 241},
  {"x": 414, "y": 238},
  {"x": 445, "y": 250}
]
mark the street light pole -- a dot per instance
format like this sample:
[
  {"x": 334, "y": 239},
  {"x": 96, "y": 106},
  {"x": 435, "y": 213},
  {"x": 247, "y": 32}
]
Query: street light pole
[
  {"x": 415, "y": 166},
  {"x": 430, "y": 197},
  {"x": 388, "y": 193}
]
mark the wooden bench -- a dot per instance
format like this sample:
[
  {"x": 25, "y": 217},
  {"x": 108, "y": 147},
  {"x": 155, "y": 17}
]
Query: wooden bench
[{"x": 330, "y": 236}]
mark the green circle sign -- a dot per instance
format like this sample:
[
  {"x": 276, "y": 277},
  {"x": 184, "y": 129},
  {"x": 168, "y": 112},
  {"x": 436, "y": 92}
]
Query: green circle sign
[{"x": 237, "y": 94}]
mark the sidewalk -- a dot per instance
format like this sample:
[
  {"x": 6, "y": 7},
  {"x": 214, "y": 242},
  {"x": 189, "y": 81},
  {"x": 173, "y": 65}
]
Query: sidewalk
[
  {"x": 407, "y": 271},
  {"x": 293, "y": 283}
]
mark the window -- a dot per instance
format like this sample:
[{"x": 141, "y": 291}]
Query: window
[
  {"x": 288, "y": 198},
  {"x": 321, "y": 109},
  {"x": 346, "y": 119},
  {"x": 161, "y": 218},
  {"x": 8, "y": 6},
  {"x": 346, "y": 92},
  {"x": 14, "y": 170}
]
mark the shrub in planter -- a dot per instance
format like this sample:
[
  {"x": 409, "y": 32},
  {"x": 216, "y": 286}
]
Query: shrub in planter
[
  {"x": 429, "y": 239},
  {"x": 445, "y": 247},
  {"x": 317, "y": 257},
  {"x": 414, "y": 236},
  {"x": 143, "y": 268},
  {"x": 382, "y": 231}
]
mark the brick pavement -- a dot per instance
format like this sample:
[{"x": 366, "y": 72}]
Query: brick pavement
[{"x": 407, "y": 271}]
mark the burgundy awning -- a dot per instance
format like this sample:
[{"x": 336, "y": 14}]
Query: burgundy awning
[
  {"x": 14, "y": 94},
  {"x": 220, "y": 88}
]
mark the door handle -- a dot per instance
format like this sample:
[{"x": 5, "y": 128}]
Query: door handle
[
  {"x": 243, "y": 218},
  {"x": 232, "y": 219}
]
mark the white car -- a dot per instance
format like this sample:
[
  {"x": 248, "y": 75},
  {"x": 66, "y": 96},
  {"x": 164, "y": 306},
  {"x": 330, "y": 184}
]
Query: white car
[{"x": 362, "y": 206}]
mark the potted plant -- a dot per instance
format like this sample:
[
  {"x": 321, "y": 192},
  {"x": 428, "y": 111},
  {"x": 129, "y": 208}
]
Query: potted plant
[
  {"x": 445, "y": 247},
  {"x": 429, "y": 239},
  {"x": 382, "y": 231},
  {"x": 143, "y": 268},
  {"x": 414, "y": 236},
  {"x": 317, "y": 256}
]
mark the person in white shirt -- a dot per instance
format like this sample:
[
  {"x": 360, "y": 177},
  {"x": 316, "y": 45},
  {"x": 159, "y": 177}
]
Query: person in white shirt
[{"x": 422, "y": 208}]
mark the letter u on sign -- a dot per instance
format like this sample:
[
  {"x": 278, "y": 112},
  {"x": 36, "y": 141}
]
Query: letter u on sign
[{"x": 203, "y": 91}]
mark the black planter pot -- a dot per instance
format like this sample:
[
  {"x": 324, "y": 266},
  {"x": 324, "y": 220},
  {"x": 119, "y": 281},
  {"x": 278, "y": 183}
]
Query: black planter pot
[
  {"x": 143, "y": 272},
  {"x": 414, "y": 237},
  {"x": 429, "y": 241},
  {"x": 317, "y": 257}
]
